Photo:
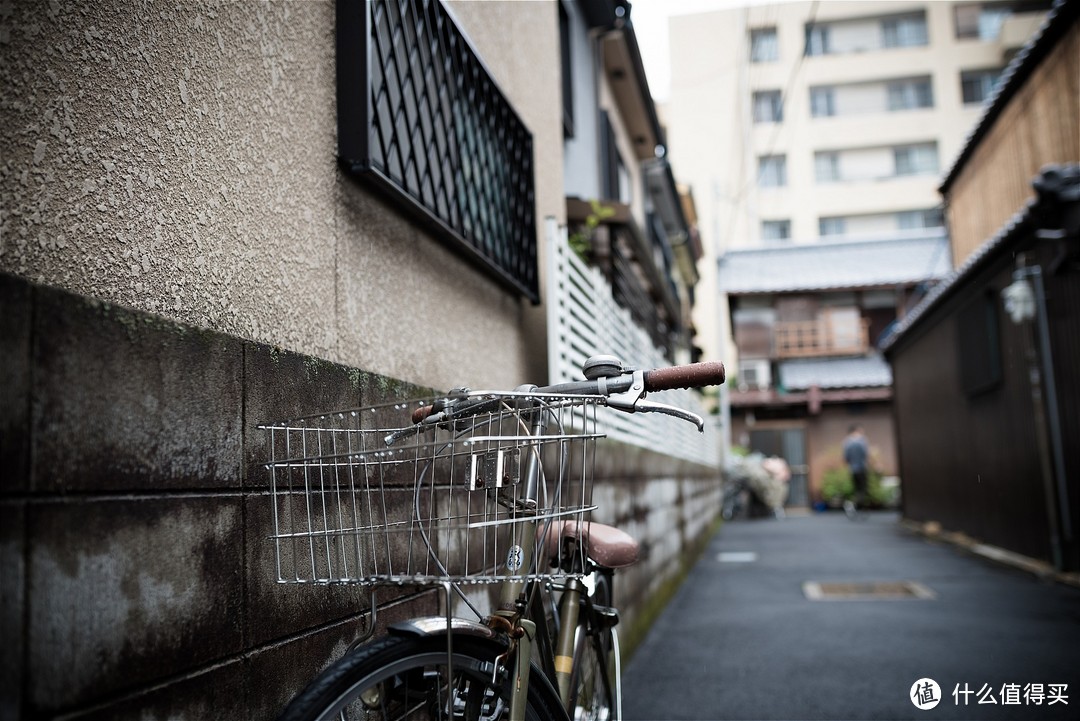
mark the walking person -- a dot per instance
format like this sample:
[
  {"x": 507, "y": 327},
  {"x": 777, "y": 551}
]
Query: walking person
[{"x": 856, "y": 456}]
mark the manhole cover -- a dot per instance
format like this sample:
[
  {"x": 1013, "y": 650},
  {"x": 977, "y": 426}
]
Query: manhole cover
[{"x": 874, "y": 591}]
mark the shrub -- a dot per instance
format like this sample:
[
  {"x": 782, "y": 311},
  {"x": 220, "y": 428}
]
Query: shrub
[{"x": 836, "y": 487}]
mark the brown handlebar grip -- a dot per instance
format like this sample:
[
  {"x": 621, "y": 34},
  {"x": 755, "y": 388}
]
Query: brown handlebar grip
[
  {"x": 421, "y": 413},
  {"x": 693, "y": 375}
]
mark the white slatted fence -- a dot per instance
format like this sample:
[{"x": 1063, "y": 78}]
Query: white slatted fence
[{"x": 584, "y": 320}]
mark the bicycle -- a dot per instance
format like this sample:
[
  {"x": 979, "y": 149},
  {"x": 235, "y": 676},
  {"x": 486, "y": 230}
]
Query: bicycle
[{"x": 467, "y": 491}]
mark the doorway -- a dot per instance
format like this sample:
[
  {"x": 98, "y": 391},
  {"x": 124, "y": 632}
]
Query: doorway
[{"x": 789, "y": 444}]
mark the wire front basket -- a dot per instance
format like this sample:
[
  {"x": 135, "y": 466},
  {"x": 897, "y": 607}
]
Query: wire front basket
[{"x": 367, "y": 497}]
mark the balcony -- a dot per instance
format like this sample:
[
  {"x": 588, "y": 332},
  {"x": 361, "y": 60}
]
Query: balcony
[{"x": 829, "y": 335}]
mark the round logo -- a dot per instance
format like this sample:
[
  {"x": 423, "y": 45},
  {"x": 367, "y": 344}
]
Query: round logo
[
  {"x": 925, "y": 694},
  {"x": 515, "y": 557}
]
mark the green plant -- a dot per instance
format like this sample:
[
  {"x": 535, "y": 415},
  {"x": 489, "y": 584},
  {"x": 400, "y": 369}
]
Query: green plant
[
  {"x": 581, "y": 239},
  {"x": 837, "y": 487}
]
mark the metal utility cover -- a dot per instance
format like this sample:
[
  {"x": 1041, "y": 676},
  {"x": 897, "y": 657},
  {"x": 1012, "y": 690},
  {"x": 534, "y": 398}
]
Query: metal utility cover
[{"x": 873, "y": 591}]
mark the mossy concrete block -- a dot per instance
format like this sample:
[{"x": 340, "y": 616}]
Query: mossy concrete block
[
  {"x": 281, "y": 672},
  {"x": 123, "y": 400},
  {"x": 278, "y": 610},
  {"x": 124, "y": 592},
  {"x": 217, "y": 693},
  {"x": 13, "y": 603},
  {"x": 280, "y": 385},
  {"x": 15, "y": 314}
]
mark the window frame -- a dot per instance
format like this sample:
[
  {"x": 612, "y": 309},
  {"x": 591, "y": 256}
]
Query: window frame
[
  {"x": 772, "y": 100},
  {"x": 772, "y": 171},
  {"x": 465, "y": 168},
  {"x": 771, "y": 45},
  {"x": 784, "y": 225}
]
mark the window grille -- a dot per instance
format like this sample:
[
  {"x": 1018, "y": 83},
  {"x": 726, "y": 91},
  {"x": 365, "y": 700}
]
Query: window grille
[{"x": 421, "y": 119}]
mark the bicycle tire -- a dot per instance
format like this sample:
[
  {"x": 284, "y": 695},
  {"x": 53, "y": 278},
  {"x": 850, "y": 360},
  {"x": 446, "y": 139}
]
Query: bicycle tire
[
  {"x": 394, "y": 678},
  {"x": 593, "y": 696}
]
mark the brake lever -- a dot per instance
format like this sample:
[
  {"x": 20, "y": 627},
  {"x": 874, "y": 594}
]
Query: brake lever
[
  {"x": 632, "y": 400},
  {"x": 644, "y": 406}
]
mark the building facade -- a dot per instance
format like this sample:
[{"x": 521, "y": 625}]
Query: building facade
[
  {"x": 807, "y": 319},
  {"x": 220, "y": 214},
  {"x": 984, "y": 367},
  {"x": 802, "y": 121}
]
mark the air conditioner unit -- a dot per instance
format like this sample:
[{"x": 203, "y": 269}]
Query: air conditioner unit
[{"x": 755, "y": 375}]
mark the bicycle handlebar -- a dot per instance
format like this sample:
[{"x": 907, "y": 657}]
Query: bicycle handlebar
[{"x": 692, "y": 375}]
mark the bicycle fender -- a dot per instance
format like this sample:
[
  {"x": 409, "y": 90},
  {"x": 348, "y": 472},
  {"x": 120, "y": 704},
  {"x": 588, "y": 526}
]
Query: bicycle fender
[{"x": 436, "y": 626}]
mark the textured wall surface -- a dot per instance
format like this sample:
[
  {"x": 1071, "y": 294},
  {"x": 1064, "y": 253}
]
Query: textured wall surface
[
  {"x": 138, "y": 578},
  {"x": 180, "y": 158}
]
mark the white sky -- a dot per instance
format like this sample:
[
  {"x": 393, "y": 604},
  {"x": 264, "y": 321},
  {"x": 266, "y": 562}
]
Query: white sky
[{"x": 650, "y": 18}]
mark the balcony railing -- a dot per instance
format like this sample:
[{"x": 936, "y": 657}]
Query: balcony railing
[{"x": 821, "y": 337}]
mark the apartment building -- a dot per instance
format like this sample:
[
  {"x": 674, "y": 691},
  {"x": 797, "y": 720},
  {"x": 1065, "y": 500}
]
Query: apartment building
[{"x": 801, "y": 121}]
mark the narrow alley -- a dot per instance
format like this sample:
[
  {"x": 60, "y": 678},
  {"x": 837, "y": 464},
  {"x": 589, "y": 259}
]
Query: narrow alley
[{"x": 753, "y": 633}]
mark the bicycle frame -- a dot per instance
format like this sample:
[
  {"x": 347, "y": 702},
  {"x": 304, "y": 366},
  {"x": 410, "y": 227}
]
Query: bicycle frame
[{"x": 517, "y": 601}]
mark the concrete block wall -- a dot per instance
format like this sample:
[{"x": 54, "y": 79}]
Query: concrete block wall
[{"x": 138, "y": 579}]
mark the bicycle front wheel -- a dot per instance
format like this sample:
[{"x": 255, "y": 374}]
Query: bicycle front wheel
[{"x": 406, "y": 678}]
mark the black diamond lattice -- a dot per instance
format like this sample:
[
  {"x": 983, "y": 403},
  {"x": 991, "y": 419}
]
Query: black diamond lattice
[{"x": 429, "y": 125}]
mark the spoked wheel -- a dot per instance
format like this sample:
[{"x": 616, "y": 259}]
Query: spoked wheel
[
  {"x": 401, "y": 678},
  {"x": 592, "y": 679}
]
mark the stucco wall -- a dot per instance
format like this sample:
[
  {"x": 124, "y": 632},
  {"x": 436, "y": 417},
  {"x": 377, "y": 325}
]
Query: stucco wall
[{"x": 180, "y": 158}]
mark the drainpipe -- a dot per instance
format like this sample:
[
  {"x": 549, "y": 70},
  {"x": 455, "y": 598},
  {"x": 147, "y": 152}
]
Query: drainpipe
[{"x": 1025, "y": 301}]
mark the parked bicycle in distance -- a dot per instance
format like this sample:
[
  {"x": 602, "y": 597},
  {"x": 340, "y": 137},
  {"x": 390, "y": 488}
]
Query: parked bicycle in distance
[{"x": 471, "y": 490}]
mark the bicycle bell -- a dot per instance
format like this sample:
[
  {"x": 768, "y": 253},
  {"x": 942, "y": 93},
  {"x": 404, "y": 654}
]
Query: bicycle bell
[{"x": 602, "y": 366}]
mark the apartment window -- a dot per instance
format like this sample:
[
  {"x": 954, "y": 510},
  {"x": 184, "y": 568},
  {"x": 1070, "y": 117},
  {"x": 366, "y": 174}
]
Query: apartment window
[
  {"x": 774, "y": 230},
  {"x": 822, "y": 102},
  {"x": 919, "y": 219},
  {"x": 983, "y": 20},
  {"x": 904, "y": 31},
  {"x": 832, "y": 226},
  {"x": 909, "y": 94},
  {"x": 768, "y": 107},
  {"x": 567, "y": 73},
  {"x": 978, "y": 85},
  {"x": 980, "y": 21},
  {"x": 916, "y": 159},
  {"x": 764, "y": 47},
  {"x": 979, "y": 345},
  {"x": 817, "y": 40},
  {"x": 827, "y": 167},
  {"x": 772, "y": 171},
  {"x": 615, "y": 177},
  {"x": 421, "y": 119}
]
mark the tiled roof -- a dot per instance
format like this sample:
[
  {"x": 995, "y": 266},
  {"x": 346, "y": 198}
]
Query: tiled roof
[
  {"x": 835, "y": 265},
  {"x": 865, "y": 372}
]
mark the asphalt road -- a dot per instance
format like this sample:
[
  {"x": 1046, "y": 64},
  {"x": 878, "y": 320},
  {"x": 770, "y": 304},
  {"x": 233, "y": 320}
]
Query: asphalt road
[{"x": 742, "y": 639}]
